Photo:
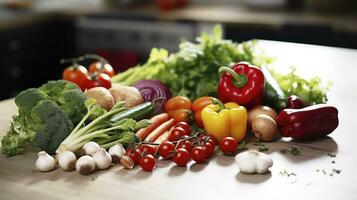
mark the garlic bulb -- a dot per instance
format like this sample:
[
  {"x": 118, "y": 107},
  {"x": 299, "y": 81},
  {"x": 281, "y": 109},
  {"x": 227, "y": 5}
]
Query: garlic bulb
[
  {"x": 252, "y": 161},
  {"x": 102, "y": 159},
  {"x": 90, "y": 148},
  {"x": 45, "y": 162},
  {"x": 116, "y": 152},
  {"x": 67, "y": 160},
  {"x": 85, "y": 165}
]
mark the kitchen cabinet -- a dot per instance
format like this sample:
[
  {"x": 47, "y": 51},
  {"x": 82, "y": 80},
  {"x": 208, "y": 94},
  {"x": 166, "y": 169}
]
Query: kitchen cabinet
[{"x": 30, "y": 55}]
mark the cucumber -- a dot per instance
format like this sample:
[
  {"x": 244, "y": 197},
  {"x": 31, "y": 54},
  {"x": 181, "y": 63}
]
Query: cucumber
[
  {"x": 274, "y": 95},
  {"x": 137, "y": 113}
]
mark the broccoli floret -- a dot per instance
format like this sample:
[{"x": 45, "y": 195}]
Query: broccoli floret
[
  {"x": 53, "y": 125},
  {"x": 68, "y": 96},
  {"x": 54, "y": 89},
  {"x": 73, "y": 104},
  {"x": 27, "y": 99},
  {"x": 17, "y": 136}
]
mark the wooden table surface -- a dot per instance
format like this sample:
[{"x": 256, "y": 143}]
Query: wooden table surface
[{"x": 219, "y": 178}]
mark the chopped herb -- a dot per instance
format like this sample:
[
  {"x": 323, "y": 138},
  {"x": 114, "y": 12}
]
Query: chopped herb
[
  {"x": 331, "y": 174},
  {"x": 317, "y": 170},
  {"x": 331, "y": 155},
  {"x": 258, "y": 143},
  {"x": 333, "y": 162},
  {"x": 323, "y": 171},
  {"x": 242, "y": 146},
  {"x": 263, "y": 149},
  {"x": 286, "y": 173},
  {"x": 337, "y": 171},
  {"x": 294, "y": 151}
]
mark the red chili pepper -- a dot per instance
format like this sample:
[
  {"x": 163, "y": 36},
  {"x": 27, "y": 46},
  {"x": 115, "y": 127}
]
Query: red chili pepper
[
  {"x": 309, "y": 122},
  {"x": 295, "y": 102},
  {"x": 243, "y": 84}
]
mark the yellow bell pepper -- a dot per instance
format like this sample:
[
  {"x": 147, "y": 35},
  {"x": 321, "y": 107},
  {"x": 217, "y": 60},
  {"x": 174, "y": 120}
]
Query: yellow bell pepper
[{"x": 222, "y": 120}]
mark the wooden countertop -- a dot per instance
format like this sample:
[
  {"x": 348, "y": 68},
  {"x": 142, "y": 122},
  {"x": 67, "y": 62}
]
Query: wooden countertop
[{"x": 219, "y": 178}]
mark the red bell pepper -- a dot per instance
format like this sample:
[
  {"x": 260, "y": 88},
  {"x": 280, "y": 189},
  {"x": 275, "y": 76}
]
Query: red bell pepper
[
  {"x": 295, "y": 102},
  {"x": 243, "y": 84},
  {"x": 309, "y": 122}
]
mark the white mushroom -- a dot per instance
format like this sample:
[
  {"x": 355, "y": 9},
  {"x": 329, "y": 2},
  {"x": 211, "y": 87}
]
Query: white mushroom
[{"x": 251, "y": 162}]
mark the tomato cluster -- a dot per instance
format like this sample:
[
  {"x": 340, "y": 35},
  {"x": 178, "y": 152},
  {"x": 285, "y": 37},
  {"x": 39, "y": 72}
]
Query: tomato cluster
[{"x": 99, "y": 74}]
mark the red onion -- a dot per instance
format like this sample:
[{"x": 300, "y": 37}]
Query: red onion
[{"x": 152, "y": 90}]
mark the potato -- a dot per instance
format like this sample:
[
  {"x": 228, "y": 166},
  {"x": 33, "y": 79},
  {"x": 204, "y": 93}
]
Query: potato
[
  {"x": 130, "y": 95},
  {"x": 260, "y": 110},
  {"x": 102, "y": 96}
]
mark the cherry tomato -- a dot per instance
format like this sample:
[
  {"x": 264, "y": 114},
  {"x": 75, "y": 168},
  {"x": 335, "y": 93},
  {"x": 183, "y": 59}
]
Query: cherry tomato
[
  {"x": 75, "y": 74},
  {"x": 166, "y": 149},
  {"x": 181, "y": 157},
  {"x": 185, "y": 126},
  {"x": 135, "y": 155},
  {"x": 213, "y": 140},
  {"x": 186, "y": 145},
  {"x": 147, "y": 149},
  {"x": 104, "y": 80},
  {"x": 209, "y": 148},
  {"x": 178, "y": 102},
  {"x": 197, "y": 107},
  {"x": 176, "y": 134},
  {"x": 96, "y": 80},
  {"x": 148, "y": 162},
  {"x": 180, "y": 115},
  {"x": 201, "y": 103},
  {"x": 102, "y": 67},
  {"x": 198, "y": 154},
  {"x": 228, "y": 145}
]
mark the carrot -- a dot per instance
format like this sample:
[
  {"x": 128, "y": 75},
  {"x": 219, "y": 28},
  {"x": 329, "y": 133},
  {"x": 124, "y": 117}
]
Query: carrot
[
  {"x": 156, "y": 120},
  {"x": 163, "y": 137},
  {"x": 160, "y": 130}
]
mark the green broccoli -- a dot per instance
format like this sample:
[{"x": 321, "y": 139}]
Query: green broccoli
[
  {"x": 27, "y": 99},
  {"x": 47, "y": 113},
  {"x": 17, "y": 136},
  {"x": 68, "y": 96},
  {"x": 53, "y": 125}
]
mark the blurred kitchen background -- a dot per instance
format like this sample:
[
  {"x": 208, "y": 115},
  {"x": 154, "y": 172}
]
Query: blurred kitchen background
[{"x": 35, "y": 34}]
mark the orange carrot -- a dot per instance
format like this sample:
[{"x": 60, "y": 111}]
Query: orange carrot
[
  {"x": 163, "y": 137},
  {"x": 156, "y": 120},
  {"x": 160, "y": 130}
]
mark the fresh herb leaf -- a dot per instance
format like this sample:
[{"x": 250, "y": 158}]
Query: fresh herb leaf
[
  {"x": 242, "y": 146},
  {"x": 263, "y": 149},
  {"x": 256, "y": 142},
  {"x": 295, "y": 151}
]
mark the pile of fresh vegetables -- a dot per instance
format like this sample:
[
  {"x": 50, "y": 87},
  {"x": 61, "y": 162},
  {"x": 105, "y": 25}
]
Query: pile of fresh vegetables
[{"x": 176, "y": 106}]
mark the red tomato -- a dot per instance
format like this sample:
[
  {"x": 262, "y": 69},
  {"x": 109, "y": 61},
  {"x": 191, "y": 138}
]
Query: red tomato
[
  {"x": 213, "y": 140},
  {"x": 185, "y": 126},
  {"x": 198, "y": 154},
  {"x": 186, "y": 145},
  {"x": 135, "y": 155},
  {"x": 176, "y": 134},
  {"x": 96, "y": 80},
  {"x": 102, "y": 67},
  {"x": 147, "y": 149},
  {"x": 197, "y": 107},
  {"x": 148, "y": 162},
  {"x": 166, "y": 149},
  {"x": 75, "y": 74},
  {"x": 180, "y": 115},
  {"x": 209, "y": 148},
  {"x": 178, "y": 102},
  {"x": 181, "y": 157},
  {"x": 228, "y": 145}
]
